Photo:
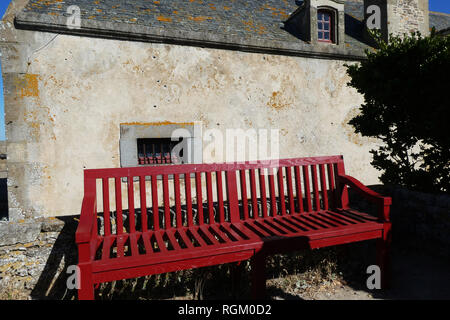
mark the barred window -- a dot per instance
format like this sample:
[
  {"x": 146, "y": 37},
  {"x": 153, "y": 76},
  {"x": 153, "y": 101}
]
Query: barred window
[{"x": 156, "y": 151}]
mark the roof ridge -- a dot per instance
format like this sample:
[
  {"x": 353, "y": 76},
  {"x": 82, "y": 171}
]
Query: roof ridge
[{"x": 440, "y": 13}]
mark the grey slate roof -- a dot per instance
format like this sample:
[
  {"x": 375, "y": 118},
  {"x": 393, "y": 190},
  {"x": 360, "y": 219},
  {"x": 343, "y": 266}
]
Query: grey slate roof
[
  {"x": 440, "y": 21},
  {"x": 248, "y": 25}
]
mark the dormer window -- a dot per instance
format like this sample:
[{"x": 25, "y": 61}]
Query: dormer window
[
  {"x": 325, "y": 26},
  {"x": 319, "y": 21}
]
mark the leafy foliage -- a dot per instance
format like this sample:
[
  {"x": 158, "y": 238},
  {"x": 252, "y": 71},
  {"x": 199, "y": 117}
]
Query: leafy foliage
[{"x": 405, "y": 84}]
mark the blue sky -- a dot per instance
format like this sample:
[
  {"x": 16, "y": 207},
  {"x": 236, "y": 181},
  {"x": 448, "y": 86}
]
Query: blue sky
[{"x": 435, "y": 5}]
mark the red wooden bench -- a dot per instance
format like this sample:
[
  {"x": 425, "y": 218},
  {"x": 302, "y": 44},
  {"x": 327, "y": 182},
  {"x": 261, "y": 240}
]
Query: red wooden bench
[{"x": 155, "y": 219}]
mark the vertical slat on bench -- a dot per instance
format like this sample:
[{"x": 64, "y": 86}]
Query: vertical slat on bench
[
  {"x": 166, "y": 199},
  {"x": 155, "y": 202},
  {"x": 298, "y": 186},
  {"x": 233, "y": 204},
  {"x": 143, "y": 198},
  {"x": 273, "y": 198},
  {"x": 187, "y": 188},
  {"x": 281, "y": 190},
  {"x": 315, "y": 187},
  {"x": 290, "y": 190},
  {"x": 331, "y": 184},
  {"x": 254, "y": 195},
  {"x": 106, "y": 213},
  {"x": 131, "y": 219},
  {"x": 220, "y": 196},
  {"x": 176, "y": 182},
  {"x": 307, "y": 189},
  {"x": 244, "y": 193},
  {"x": 209, "y": 196},
  {"x": 262, "y": 187},
  {"x": 119, "y": 216},
  {"x": 198, "y": 189},
  {"x": 323, "y": 185}
]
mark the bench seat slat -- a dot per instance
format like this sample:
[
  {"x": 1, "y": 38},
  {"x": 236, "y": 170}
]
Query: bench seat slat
[
  {"x": 220, "y": 233},
  {"x": 198, "y": 237},
  {"x": 228, "y": 231},
  {"x": 246, "y": 233},
  {"x": 336, "y": 220},
  {"x": 147, "y": 243},
  {"x": 291, "y": 222},
  {"x": 211, "y": 236},
  {"x": 185, "y": 238},
  {"x": 318, "y": 223},
  {"x": 264, "y": 224},
  {"x": 289, "y": 228},
  {"x": 160, "y": 241},
  {"x": 341, "y": 217},
  {"x": 171, "y": 235},
  {"x": 254, "y": 240},
  {"x": 273, "y": 225},
  {"x": 256, "y": 229}
]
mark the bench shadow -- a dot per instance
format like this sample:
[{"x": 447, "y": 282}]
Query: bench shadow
[
  {"x": 419, "y": 270},
  {"x": 52, "y": 280}
]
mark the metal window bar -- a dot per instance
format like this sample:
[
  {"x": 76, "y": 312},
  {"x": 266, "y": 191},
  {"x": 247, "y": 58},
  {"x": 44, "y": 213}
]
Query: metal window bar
[{"x": 155, "y": 151}]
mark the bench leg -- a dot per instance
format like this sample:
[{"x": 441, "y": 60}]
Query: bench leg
[
  {"x": 235, "y": 272},
  {"x": 258, "y": 264},
  {"x": 86, "y": 290},
  {"x": 383, "y": 256}
]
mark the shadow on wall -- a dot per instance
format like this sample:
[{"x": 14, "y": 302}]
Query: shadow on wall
[{"x": 3, "y": 200}]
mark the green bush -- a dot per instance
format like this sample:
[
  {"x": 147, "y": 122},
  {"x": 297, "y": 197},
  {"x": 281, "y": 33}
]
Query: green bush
[{"x": 405, "y": 84}]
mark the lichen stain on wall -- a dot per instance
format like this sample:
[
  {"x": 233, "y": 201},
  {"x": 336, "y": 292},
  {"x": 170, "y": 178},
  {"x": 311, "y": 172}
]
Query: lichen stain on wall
[
  {"x": 277, "y": 101},
  {"x": 36, "y": 118},
  {"x": 27, "y": 85},
  {"x": 160, "y": 123}
]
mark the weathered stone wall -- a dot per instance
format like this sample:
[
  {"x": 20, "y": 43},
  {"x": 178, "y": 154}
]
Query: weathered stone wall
[
  {"x": 66, "y": 97},
  {"x": 34, "y": 256},
  {"x": 408, "y": 15}
]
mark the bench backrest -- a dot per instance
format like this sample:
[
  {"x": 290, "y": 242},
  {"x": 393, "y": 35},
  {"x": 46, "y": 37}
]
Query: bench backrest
[{"x": 157, "y": 197}]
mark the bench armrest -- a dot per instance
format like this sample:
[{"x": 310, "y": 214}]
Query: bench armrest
[
  {"x": 85, "y": 231},
  {"x": 383, "y": 203}
]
